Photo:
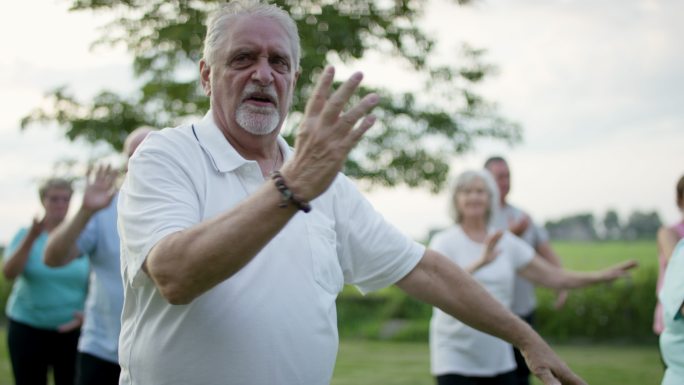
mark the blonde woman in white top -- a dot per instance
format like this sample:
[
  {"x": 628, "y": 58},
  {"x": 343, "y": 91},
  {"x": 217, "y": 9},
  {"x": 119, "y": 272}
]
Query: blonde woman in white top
[{"x": 459, "y": 353}]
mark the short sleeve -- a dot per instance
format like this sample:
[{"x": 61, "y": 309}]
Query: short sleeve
[
  {"x": 87, "y": 240},
  {"x": 156, "y": 199},
  {"x": 521, "y": 253},
  {"x": 440, "y": 244},
  {"x": 373, "y": 253},
  {"x": 672, "y": 293},
  {"x": 541, "y": 235},
  {"x": 14, "y": 243}
]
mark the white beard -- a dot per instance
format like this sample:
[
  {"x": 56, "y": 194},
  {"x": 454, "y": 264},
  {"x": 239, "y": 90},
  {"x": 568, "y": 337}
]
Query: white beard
[{"x": 257, "y": 120}]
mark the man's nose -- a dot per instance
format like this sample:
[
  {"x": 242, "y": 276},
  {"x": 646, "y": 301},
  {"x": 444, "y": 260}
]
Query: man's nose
[{"x": 263, "y": 73}]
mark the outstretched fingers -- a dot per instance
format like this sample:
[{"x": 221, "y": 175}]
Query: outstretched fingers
[
  {"x": 358, "y": 132},
  {"x": 622, "y": 269},
  {"x": 564, "y": 376},
  {"x": 547, "y": 378},
  {"x": 351, "y": 117},
  {"x": 321, "y": 92},
  {"x": 336, "y": 102}
]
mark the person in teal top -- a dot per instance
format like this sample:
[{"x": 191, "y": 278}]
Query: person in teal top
[
  {"x": 44, "y": 309},
  {"x": 672, "y": 297}
]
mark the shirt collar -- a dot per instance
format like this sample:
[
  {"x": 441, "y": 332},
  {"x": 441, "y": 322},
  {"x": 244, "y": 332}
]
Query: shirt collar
[{"x": 223, "y": 156}]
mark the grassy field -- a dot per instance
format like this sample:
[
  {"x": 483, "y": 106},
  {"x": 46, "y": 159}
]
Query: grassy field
[
  {"x": 597, "y": 255},
  {"x": 5, "y": 368},
  {"x": 407, "y": 363},
  {"x": 392, "y": 363}
]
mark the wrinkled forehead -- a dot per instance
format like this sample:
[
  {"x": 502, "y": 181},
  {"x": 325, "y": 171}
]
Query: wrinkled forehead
[{"x": 257, "y": 32}]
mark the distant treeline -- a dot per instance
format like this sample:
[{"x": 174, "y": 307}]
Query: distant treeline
[{"x": 584, "y": 227}]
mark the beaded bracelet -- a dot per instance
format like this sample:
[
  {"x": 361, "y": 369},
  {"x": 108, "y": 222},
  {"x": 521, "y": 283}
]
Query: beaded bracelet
[{"x": 287, "y": 195}]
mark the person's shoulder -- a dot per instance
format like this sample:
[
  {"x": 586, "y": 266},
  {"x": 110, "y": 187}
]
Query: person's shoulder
[
  {"x": 180, "y": 133},
  {"x": 21, "y": 232},
  {"x": 513, "y": 209},
  {"x": 678, "y": 228},
  {"x": 447, "y": 233},
  {"x": 175, "y": 141}
]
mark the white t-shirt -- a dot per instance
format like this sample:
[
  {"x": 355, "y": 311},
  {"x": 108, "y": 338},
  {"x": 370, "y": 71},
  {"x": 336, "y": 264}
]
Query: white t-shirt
[
  {"x": 455, "y": 347},
  {"x": 274, "y": 321},
  {"x": 524, "y": 297}
]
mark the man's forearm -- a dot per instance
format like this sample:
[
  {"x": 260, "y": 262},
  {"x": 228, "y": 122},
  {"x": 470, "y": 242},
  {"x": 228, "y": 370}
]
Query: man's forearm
[
  {"x": 61, "y": 245},
  {"x": 438, "y": 281},
  {"x": 186, "y": 264},
  {"x": 441, "y": 283}
]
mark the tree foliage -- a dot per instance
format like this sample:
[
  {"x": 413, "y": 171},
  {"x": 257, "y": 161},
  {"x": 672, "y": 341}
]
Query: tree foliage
[
  {"x": 575, "y": 227},
  {"x": 581, "y": 227},
  {"x": 417, "y": 133},
  {"x": 642, "y": 225}
]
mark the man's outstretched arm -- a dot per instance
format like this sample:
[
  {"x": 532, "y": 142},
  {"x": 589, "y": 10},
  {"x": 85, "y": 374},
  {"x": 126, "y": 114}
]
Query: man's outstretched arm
[{"x": 441, "y": 283}]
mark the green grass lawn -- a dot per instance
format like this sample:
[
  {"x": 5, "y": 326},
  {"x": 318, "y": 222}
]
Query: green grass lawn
[
  {"x": 597, "y": 255},
  {"x": 5, "y": 368},
  {"x": 394, "y": 363}
]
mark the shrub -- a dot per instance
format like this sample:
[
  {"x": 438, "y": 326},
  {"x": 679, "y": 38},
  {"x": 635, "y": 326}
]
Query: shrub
[{"x": 620, "y": 311}]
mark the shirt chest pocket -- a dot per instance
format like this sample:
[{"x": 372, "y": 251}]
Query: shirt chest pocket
[{"x": 326, "y": 267}]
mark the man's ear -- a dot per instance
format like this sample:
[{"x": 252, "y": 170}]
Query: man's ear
[
  {"x": 205, "y": 76},
  {"x": 296, "y": 76}
]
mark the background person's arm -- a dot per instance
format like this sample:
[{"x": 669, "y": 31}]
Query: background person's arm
[
  {"x": 61, "y": 246},
  {"x": 488, "y": 255},
  {"x": 542, "y": 273},
  {"x": 667, "y": 240},
  {"x": 545, "y": 251},
  {"x": 15, "y": 263},
  {"x": 441, "y": 283}
]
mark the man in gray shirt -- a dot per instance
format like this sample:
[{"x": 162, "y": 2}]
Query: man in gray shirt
[{"x": 517, "y": 221}]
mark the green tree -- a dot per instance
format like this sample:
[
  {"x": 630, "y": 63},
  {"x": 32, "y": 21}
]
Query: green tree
[
  {"x": 578, "y": 227},
  {"x": 611, "y": 225},
  {"x": 642, "y": 225},
  {"x": 417, "y": 133}
]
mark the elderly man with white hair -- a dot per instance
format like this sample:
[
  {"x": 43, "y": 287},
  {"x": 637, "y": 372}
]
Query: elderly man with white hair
[{"x": 235, "y": 246}]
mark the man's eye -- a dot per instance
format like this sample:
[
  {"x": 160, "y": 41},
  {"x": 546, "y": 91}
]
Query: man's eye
[
  {"x": 281, "y": 64},
  {"x": 240, "y": 60}
]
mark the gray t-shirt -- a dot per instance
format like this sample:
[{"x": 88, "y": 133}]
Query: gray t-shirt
[{"x": 524, "y": 300}]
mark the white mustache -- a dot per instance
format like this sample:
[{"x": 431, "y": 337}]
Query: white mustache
[{"x": 253, "y": 89}]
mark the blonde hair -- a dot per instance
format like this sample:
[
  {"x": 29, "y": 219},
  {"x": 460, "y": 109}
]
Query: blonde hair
[
  {"x": 463, "y": 180},
  {"x": 51, "y": 183}
]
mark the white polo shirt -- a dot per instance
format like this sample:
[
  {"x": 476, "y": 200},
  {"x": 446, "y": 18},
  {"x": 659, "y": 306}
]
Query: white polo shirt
[
  {"x": 456, "y": 348},
  {"x": 273, "y": 322}
]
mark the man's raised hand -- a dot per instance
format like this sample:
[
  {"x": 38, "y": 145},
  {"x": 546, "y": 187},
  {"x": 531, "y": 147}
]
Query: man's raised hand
[{"x": 327, "y": 134}]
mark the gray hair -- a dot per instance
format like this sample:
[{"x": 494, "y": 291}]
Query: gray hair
[
  {"x": 494, "y": 159},
  {"x": 464, "y": 180},
  {"x": 218, "y": 22},
  {"x": 51, "y": 183}
]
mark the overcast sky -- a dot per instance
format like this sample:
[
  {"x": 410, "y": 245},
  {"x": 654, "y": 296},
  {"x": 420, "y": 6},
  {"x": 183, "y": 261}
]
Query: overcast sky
[{"x": 596, "y": 85}]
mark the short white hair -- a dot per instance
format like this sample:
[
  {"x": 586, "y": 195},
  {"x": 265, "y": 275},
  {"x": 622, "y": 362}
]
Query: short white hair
[
  {"x": 218, "y": 22},
  {"x": 463, "y": 180}
]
